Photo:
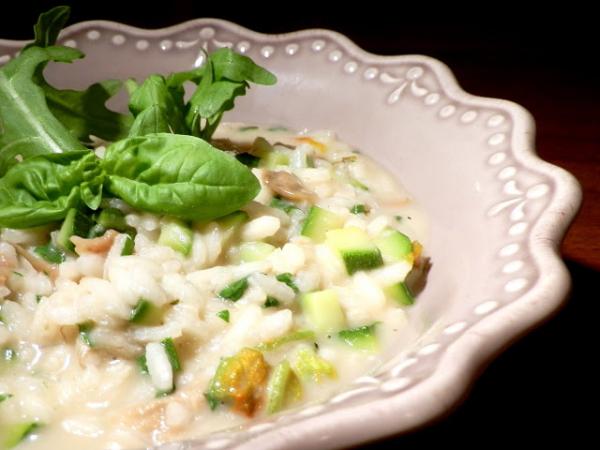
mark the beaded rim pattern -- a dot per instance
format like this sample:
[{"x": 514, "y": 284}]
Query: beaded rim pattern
[{"x": 447, "y": 364}]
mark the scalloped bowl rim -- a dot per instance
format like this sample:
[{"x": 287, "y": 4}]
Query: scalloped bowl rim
[{"x": 462, "y": 361}]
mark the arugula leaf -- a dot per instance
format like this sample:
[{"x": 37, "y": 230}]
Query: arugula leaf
[
  {"x": 49, "y": 25},
  {"x": 84, "y": 113},
  {"x": 166, "y": 104},
  {"x": 235, "y": 67},
  {"x": 212, "y": 101},
  {"x": 176, "y": 175},
  {"x": 176, "y": 79},
  {"x": 224, "y": 77},
  {"x": 42, "y": 189},
  {"x": 27, "y": 127}
]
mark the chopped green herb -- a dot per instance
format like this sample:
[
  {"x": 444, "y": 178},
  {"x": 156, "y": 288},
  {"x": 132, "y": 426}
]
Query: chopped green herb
[
  {"x": 357, "y": 184},
  {"x": 211, "y": 400},
  {"x": 359, "y": 209},
  {"x": 271, "y": 302},
  {"x": 5, "y": 396},
  {"x": 85, "y": 330},
  {"x": 19, "y": 274},
  {"x": 248, "y": 159},
  {"x": 145, "y": 313},
  {"x": 278, "y": 128},
  {"x": 235, "y": 290},
  {"x": 284, "y": 205},
  {"x": 398, "y": 218},
  {"x": 50, "y": 253},
  {"x": 128, "y": 246},
  {"x": 8, "y": 354},
  {"x": 224, "y": 315},
  {"x": 38, "y": 298},
  {"x": 288, "y": 279},
  {"x": 249, "y": 128},
  {"x": 142, "y": 364},
  {"x": 169, "y": 347}
]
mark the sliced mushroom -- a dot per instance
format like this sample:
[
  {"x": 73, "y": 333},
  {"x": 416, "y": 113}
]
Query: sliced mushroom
[
  {"x": 229, "y": 146},
  {"x": 38, "y": 263},
  {"x": 288, "y": 186},
  {"x": 283, "y": 144},
  {"x": 100, "y": 244}
]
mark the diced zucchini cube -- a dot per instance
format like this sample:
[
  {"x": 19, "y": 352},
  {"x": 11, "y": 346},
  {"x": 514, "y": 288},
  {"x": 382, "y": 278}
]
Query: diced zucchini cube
[
  {"x": 318, "y": 222},
  {"x": 323, "y": 311},
  {"x": 400, "y": 293},
  {"x": 355, "y": 248},
  {"x": 178, "y": 236},
  {"x": 394, "y": 246}
]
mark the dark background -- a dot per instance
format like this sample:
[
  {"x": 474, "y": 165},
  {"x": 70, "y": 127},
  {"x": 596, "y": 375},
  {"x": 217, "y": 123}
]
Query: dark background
[{"x": 539, "y": 390}]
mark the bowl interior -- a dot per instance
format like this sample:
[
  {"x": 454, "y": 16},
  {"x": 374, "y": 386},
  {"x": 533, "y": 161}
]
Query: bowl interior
[{"x": 454, "y": 153}]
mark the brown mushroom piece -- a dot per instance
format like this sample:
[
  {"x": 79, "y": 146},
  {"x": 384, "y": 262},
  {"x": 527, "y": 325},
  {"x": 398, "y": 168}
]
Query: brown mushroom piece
[
  {"x": 38, "y": 263},
  {"x": 228, "y": 145},
  {"x": 100, "y": 244},
  {"x": 288, "y": 186}
]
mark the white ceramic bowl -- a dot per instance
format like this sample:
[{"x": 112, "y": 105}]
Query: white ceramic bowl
[{"x": 497, "y": 212}]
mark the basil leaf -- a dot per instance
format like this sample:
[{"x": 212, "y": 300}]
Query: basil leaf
[
  {"x": 27, "y": 127},
  {"x": 235, "y": 67},
  {"x": 84, "y": 113},
  {"x": 176, "y": 175},
  {"x": 42, "y": 189},
  {"x": 150, "y": 120},
  {"x": 154, "y": 92},
  {"x": 49, "y": 25}
]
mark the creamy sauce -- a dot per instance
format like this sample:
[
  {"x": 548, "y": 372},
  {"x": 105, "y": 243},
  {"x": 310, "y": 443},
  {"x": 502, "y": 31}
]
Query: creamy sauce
[{"x": 97, "y": 398}]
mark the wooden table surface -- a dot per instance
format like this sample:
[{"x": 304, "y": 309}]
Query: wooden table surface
[{"x": 533, "y": 391}]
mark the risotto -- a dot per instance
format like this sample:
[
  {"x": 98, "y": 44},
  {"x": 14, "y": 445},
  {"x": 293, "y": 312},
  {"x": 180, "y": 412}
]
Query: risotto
[
  {"x": 160, "y": 330},
  {"x": 164, "y": 275}
]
